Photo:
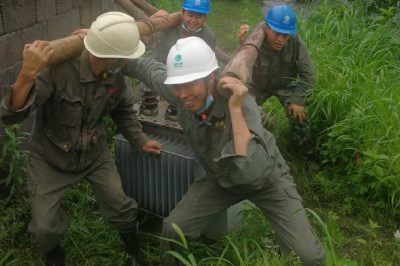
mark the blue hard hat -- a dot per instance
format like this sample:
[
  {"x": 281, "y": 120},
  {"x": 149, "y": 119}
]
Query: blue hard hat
[
  {"x": 282, "y": 19},
  {"x": 198, "y": 6}
]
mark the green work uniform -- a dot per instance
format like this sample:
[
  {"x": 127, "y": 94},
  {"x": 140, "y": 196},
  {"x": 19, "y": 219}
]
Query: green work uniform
[
  {"x": 68, "y": 143},
  {"x": 289, "y": 75},
  {"x": 166, "y": 39},
  {"x": 261, "y": 177}
]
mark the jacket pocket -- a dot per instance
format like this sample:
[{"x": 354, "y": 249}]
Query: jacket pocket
[{"x": 70, "y": 110}]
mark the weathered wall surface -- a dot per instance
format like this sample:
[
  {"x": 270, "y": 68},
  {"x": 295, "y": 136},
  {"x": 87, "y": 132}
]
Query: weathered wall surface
[{"x": 22, "y": 21}]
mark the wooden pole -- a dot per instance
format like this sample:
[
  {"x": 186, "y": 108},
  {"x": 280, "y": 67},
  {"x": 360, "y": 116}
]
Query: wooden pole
[
  {"x": 65, "y": 48},
  {"x": 145, "y": 6},
  {"x": 131, "y": 9},
  {"x": 241, "y": 64},
  {"x": 154, "y": 25},
  {"x": 71, "y": 46},
  {"x": 221, "y": 55}
]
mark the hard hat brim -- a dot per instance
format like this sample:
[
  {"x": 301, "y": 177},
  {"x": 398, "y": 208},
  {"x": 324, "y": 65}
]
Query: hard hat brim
[
  {"x": 140, "y": 50},
  {"x": 282, "y": 30},
  {"x": 196, "y": 10},
  {"x": 188, "y": 78}
]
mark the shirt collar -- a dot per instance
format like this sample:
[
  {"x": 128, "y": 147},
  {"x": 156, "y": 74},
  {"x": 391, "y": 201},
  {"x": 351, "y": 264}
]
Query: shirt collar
[
  {"x": 179, "y": 30},
  {"x": 217, "y": 110},
  {"x": 84, "y": 71}
]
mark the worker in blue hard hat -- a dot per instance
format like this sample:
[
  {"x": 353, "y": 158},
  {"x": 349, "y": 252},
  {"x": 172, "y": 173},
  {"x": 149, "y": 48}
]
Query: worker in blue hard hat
[
  {"x": 194, "y": 16},
  {"x": 284, "y": 69}
]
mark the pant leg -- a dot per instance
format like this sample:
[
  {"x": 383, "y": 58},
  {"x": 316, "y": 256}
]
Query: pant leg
[
  {"x": 46, "y": 186},
  {"x": 201, "y": 204},
  {"x": 282, "y": 205},
  {"x": 116, "y": 208}
]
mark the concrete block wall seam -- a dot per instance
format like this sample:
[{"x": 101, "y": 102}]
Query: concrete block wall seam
[
  {"x": 76, "y": 3},
  {"x": 45, "y": 9},
  {"x": 106, "y": 5},
  {"x": 37, "y": 31},
  {"x": 9, "y": 75},
  {"x": 64, "y": 24},
  {"x": 10, "y": 49},
  {"x": 1, "y": 25},
  {"x": 63, "y": 6},
  {"x": 89, "y": 11},
  {"x": 17, "y": 14}
]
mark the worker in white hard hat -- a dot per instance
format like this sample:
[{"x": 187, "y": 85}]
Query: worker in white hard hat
[
  {"x": 239, "y": 156},
  {"x": 69, "y": 138},
  {"x": 194, "y": 17}
]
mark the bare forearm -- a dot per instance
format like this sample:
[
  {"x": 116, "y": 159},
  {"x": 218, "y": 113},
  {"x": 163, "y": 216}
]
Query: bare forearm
[
  {"x": 240, "y": 131},
  {"x": 21, "y": 89},
  {"x": 35, "y": 58}
]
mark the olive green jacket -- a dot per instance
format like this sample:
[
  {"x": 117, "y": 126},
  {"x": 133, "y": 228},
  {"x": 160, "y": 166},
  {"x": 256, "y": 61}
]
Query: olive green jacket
[
  {"x": 70, "y": 106},
  {"x": 167, "y": 39},
  {"x": 289, "y": 73},
  {"x": 211, "y": 139}
]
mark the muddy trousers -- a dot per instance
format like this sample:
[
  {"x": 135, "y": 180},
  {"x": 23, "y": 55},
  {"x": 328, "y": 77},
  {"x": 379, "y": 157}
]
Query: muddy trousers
[
  {"x": 47, "y": 184},
  {"x": 279, "y": 201}
]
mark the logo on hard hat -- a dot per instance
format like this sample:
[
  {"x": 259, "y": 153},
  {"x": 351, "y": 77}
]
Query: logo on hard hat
[
  {"x": 286, "y": 19},
  {"x": 197, "y": 2},
  {"x": 178, "y": 61}
]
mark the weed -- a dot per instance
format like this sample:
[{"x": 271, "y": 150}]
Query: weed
[{"x": 12, "y": 161}]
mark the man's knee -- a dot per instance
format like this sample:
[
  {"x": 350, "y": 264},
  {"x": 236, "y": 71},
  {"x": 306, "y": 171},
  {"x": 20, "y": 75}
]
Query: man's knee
[{"x": 311, "y": 255}]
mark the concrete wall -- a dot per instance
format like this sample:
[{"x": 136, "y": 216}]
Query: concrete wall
[{"x": 22, "y": 21}]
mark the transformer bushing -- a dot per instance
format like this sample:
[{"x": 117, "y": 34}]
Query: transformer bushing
[{"x": 150, "y": 100}]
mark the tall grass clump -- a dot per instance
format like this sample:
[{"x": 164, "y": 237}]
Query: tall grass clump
[
  {"x": 355, "y": 105},
  {"x": 12, "y": 161}
]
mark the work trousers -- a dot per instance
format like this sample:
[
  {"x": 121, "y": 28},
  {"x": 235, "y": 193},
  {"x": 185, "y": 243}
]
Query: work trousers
[
  {"x": 278, "y": 200},
  {"x": 47, "y": 184}
]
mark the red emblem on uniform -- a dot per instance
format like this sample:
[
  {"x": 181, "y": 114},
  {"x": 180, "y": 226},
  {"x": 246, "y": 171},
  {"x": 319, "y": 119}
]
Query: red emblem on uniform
[{"x": 112, "y": 90}]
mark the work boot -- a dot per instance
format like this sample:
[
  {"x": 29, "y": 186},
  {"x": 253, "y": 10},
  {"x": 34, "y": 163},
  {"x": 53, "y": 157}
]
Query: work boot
[
  {"x": 55, "y": 257},
  {"x": 132, "y": 248}
]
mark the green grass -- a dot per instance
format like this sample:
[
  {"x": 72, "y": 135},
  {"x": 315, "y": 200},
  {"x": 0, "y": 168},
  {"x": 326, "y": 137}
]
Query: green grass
[{"x": 352, "y": 206}]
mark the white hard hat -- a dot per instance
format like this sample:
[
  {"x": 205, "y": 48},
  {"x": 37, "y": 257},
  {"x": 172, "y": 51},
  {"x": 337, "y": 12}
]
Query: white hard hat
[
  {"x": 188, "y": 60},
  {"x": 114, "y": 35}
]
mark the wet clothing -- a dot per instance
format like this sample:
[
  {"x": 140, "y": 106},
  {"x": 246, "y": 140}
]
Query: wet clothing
[
  {"x": 166, "y": 39},
  {"x": 288, "y": 74},
  {"x": 262, "y": 176},
  {"x": 68, "y": 143}
]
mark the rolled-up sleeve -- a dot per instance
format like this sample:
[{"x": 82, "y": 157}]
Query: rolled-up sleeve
[
  {"x": 10, "y": 115},
  {"x": 250, "y": 169},
  {"x": 251, "y": 172},
  {"x": 38, "y": 94}
]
